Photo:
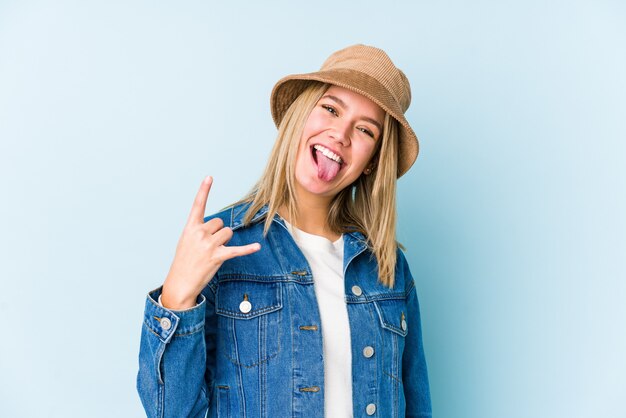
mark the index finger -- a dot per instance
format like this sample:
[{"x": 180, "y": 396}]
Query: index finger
[{"x": 199, "y": 204}]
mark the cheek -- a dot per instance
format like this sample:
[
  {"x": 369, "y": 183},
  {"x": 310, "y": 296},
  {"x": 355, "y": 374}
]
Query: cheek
[
  {"x": 314, "y": 123},
  {"x": 363, "y": 153},
  {"x": 303, "y": 148}
]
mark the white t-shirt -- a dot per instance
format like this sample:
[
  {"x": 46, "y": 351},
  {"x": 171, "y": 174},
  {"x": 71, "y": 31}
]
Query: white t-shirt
[{"x": 326, "y": 260}]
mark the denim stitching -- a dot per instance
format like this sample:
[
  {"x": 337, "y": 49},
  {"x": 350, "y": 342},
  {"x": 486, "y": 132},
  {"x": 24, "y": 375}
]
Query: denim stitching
[
  {"x": 223, "y": 392},
  {"x": 251, "y": 277},
  {"x": 190, "y": 332},
  {"x": 242, "y": 397},
  {"x": 262, "y": 368},
  {"x": 249, "y": 366},
  {"x": 392, "y": 376},
  {"x": 161, "y": 400},
  {"x": 159, "y": 364},
  {"x": 159, "y": 336},
  {"x": 395, "y": 371},
  {"x": 258, "y": 312}
]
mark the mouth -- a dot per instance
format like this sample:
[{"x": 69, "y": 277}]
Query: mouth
[
  {"x": 327, "y": 153},
  {"x": 327, "y": 162}
]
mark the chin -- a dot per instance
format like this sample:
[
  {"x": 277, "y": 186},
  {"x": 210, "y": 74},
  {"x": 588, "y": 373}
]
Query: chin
[{"x": 313, "y": 185}]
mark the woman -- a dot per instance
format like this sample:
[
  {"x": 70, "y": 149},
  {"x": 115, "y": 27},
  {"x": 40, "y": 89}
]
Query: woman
[{"x": 310, "y": 310}]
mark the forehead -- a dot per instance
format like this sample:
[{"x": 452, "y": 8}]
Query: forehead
[{"x": 356, "y": 101}]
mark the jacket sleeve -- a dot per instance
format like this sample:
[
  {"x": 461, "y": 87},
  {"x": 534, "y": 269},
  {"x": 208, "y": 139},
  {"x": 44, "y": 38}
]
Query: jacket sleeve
[
  {"x": 174, "y": 377},
  {"x": 414, "y": 369}
]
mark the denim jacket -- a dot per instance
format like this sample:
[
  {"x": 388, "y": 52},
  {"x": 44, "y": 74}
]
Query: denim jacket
[{"x": 252, "y": 346}]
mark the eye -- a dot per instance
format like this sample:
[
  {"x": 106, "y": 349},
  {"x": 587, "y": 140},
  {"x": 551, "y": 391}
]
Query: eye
[
  {"x": 330, "y": 109},
  {"x": 367, "y": 132}
]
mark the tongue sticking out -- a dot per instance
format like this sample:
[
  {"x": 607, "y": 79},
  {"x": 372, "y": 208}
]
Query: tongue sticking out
[{"x": 327, "y": 169}]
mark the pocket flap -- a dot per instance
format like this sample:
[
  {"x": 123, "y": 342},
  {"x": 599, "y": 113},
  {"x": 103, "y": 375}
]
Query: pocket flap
[
  {"x": 392, "y": 314},
  {"x": 261, "y": 298}
]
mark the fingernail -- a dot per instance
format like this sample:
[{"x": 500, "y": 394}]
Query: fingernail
[{"x": 207, "y": 179}]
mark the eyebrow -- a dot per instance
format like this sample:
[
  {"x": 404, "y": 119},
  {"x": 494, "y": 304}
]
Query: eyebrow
[{"x": 345, "y": 106}]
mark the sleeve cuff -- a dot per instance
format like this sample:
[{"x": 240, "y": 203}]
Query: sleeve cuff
[{"x": 166, "y": 323}]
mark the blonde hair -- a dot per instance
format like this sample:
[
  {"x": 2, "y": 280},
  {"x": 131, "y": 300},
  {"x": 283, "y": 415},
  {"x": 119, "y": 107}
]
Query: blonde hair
[{"x": 368, "y": 205}]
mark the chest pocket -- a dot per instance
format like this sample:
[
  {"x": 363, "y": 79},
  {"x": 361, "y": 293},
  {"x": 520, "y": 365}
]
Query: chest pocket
[
  {"x": 249, "y": 318},
  {"x": 394, "y": 324},
  {"x": 392, "y": 315}
]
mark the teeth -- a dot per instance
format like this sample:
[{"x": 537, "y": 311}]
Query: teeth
[{"x": 328, "y": 153}]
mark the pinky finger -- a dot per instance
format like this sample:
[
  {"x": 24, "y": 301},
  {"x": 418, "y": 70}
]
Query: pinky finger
[{"x": 238, "y": 251}]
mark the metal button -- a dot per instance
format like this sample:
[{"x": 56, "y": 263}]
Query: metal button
[
  {"x": 370, "y": 409},
  {"x": 245, "y": 306},
  {"x": 165, "y": 324},
  {"x": 356, "y": 290},
  {"x": 368, "y": 351},
  {"x": 403, "y": 325}
]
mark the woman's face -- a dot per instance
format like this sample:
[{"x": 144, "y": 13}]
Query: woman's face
[{"x": 339, "y": 138}]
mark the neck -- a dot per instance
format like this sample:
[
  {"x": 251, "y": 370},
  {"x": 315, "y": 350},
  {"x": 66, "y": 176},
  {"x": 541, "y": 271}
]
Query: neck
[{"x": 312, "y": 215}]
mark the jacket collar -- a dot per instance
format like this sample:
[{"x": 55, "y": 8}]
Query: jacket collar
[
  {"x": 238, "y": 212},
  {"x": 354, "y": 240}
]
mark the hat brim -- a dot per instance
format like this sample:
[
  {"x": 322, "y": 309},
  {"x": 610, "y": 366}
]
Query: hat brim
[{"x": 289, "y": 88}]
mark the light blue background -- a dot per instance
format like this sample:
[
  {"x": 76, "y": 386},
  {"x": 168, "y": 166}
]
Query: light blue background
[{"x": 111, "y": 113}]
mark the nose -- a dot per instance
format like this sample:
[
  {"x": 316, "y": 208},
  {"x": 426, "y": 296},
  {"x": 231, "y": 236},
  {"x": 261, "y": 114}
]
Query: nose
[{"x": 340, "y": 132}]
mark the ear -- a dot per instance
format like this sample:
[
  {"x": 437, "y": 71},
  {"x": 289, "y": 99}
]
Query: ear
[{"x": 370, "y": 167}]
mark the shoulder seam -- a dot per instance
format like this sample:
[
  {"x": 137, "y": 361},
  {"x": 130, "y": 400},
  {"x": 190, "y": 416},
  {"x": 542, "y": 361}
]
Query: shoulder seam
[{"x": 410, "y": 288}]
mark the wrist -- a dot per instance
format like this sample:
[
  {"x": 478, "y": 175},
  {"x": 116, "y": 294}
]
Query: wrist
[{"x": 170, "y": 300}]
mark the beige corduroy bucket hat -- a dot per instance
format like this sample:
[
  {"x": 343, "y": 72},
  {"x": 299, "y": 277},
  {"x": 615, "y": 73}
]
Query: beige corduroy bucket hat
[{"x": 365, "y": 70}]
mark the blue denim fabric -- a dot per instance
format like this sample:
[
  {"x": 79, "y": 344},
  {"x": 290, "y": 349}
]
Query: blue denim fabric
[{"x": 268, "y": 362}]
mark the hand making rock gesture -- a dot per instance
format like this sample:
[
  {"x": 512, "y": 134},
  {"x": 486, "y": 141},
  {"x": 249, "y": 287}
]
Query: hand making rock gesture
[{"x": 200, "y": 252}]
